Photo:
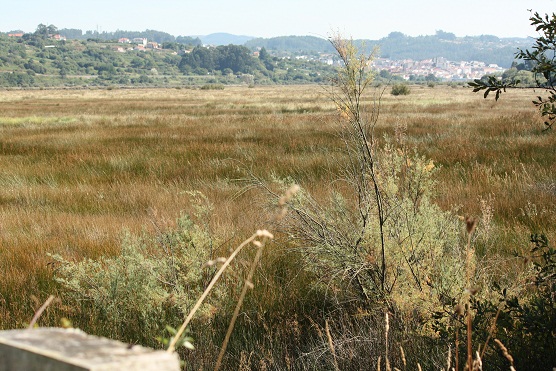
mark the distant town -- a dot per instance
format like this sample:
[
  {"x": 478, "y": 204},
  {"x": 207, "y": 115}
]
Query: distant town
[{"x": 441, "y": 68}]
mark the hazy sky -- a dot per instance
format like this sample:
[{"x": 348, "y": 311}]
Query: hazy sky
[{"x": 369, "y": 19}]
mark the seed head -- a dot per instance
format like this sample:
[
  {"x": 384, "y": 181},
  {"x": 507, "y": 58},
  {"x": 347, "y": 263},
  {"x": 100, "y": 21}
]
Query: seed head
[
  {"x": 472, "y": 290},
  {"x": 470, "y": 224},
  {"x": 504, "y": 351},
  {"x": 430, "y": 166},
  {"x": 264, "y": 233}
]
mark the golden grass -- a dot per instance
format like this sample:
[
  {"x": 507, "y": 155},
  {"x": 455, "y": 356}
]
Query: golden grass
[{"x": 80, "y": 166}]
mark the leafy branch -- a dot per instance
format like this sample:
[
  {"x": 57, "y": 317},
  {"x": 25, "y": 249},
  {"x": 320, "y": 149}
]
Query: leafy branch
[
  {"x": 492, "y": 84},
  {"x": 542, "y": 58}
]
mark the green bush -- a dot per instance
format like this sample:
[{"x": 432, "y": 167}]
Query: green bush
[
  {"x": 212, "y": 87},
  {"x": 423, "y": 260},
  {"x": 526, "y": 321},
  {"x": 152, "y": 283},
  {"x": 400, "y": 89}
]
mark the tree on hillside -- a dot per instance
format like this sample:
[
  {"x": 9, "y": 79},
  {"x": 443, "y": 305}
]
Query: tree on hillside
[
  {"x": 235, "y": 57},
  {"x": 396, "y": 35},
  {"x": 71, "y": 33},
  {"x": 46, "y": 31},
  {"x": 224, "y": 57},
  {"x": 187, "y": 40},
  {"x": 445, "y": 35},
  {"x": 542, "y": 60},
  {"x": 266, "y": 59},
  {"x": 199, "y": 57}
]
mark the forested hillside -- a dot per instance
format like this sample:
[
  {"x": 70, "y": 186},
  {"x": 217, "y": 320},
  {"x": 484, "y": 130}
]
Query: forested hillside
[
  {"x": 151, "y": 35},
  {"x": 292, "y": 44},
  {"x": 397, "y": 46},
  {"x": 43, "y": 59}
]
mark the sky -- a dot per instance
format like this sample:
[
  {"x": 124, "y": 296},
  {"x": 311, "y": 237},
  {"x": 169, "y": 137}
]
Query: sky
[{"x": 360, "y": 19}]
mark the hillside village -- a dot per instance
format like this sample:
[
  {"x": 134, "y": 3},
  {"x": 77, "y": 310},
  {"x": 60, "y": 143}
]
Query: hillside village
[
  {"x": 431, "y": 69},
  {"x": 441, "y": 68}
]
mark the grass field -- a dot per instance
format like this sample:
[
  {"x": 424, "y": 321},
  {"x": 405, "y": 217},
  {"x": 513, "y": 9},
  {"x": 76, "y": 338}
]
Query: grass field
[{"x": 78, "y": 167}]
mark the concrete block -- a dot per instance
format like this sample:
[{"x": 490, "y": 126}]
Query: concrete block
[{"x": 56, "y": 349}]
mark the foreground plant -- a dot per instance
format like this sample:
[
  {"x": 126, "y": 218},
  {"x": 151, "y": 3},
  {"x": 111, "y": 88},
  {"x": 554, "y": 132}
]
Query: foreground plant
[
  {"x": 135, "y": 287},
  {"x": 510, "y": 328},
  {"x": 378, "y": 240},
  {"x": 149, "y": 284},
  {"x": 258, "y": 239}
]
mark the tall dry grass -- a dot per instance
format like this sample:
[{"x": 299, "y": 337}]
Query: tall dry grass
[{"x": 77, "y": 167}]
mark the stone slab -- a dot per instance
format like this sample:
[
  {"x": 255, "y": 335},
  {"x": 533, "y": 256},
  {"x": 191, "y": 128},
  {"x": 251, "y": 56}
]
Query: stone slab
[{"x": 53, "y": 349}]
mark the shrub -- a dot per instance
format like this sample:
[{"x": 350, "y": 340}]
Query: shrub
[
  {"x": 212, "y": 87},
  {"x": 152, "y": 283},
  {"x": 400, "y": 89},
  {"x": 422, "y": 261},
  {"x": 525, "y": 322},
  {"x": 379, "y": 240}
]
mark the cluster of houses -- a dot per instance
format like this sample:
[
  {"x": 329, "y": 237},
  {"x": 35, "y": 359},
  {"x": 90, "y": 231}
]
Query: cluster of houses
[
  {"x": 440, "y": 68},
  {"x": 52, "y": 37},
  {"x": 140, "y": 43}
]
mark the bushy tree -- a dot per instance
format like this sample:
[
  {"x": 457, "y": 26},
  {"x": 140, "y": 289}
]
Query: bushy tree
[
  {"x": 236, "y": 58},
  {"x": 35, "y": 67},
  {"x": 400, "y": 89},
  {"x": 266, "y": 59},
  {"x": 199, "y": 57},
  {"x": 378, "y": 240},
  {"x": 45, "y": 31}
]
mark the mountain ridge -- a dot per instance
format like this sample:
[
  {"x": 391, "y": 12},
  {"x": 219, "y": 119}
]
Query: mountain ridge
[{"x": 224, "y": 38}]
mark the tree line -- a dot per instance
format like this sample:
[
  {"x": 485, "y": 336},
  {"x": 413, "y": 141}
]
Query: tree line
[{"x": 38, "y": 60}]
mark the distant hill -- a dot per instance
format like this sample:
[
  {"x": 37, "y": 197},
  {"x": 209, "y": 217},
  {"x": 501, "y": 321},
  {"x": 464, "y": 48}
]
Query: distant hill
[
  {"x": 224, "y": 39},
  {"x": 292, "y": 44},
  {"x": 151, "y": 35},
  {"x": 44, "y": 59},
  {"x": 397, "y": 46}
]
